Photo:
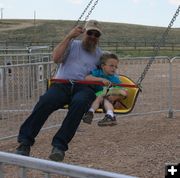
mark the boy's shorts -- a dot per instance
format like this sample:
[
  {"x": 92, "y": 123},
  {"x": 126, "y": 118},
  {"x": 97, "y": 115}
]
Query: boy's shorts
[{"x": 112, "y": 91}]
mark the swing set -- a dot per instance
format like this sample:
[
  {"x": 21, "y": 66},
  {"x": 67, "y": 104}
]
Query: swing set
[{"x": 133, "y": 88}]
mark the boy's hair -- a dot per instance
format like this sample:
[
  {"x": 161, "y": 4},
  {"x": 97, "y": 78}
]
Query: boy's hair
[{"x": 107, "y": 55}]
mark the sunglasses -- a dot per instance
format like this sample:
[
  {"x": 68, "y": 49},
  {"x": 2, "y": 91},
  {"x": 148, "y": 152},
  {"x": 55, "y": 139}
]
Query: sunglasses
[{"x": 93, "y": 33}]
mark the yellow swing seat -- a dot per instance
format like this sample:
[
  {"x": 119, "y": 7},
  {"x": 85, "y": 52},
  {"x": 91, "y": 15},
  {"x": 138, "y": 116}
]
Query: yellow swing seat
[{"x": 127, "y": 103}]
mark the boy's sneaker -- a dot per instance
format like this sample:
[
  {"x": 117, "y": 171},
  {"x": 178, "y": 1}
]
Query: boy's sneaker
[
  {"x": 108, "y": 120},
  {"x": 57, "y": 154},
  {"x": 23, "y": 149},
  {"x": 88, "y": 117}
]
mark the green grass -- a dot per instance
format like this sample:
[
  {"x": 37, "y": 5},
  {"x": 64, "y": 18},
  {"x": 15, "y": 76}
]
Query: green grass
[
  {"x": 147, "y": 53},
  {"x": 53, "y": 31}
]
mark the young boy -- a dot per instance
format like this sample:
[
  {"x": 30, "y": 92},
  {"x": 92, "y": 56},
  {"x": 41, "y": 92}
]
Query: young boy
[{"x": 107, "y": 97}]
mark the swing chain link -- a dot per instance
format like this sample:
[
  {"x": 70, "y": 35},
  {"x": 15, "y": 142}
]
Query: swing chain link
[
  {"x": 92, "y": 8},
  {"x": 89, "y": 13},
  {"x": 77, "y": 22},
  {"x": 157, "y": 48}
]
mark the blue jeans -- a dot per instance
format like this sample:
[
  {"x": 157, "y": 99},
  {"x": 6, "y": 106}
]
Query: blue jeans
[{"x": 79, "y": 97}]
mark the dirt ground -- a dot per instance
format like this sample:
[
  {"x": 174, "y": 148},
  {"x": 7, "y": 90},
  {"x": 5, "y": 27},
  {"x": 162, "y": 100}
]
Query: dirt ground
[{"x": 138, "y": 146}]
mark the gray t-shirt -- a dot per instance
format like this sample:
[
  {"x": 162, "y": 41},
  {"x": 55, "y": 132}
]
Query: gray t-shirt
[{"x": 78, "y": 63}]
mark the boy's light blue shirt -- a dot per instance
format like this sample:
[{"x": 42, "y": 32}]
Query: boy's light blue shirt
[{"x": 99, "y": 73}]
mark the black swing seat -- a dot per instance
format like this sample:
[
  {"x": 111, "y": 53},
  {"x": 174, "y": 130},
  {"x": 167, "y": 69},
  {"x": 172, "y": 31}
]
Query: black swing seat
[{"x": 127, "y": 103}]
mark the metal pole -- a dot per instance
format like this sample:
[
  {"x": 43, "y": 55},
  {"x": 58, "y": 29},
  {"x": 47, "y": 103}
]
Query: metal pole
[
  {"x": 170, "y": 98},
  {"x": 1, "y": 170},
  {"x": 34, "y": 18},
  {"x": 2, "y": 13}
]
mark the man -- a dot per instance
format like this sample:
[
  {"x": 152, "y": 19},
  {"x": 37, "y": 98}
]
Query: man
[{"x": 77, "y": 58}]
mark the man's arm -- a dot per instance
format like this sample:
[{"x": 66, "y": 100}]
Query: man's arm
[{"x": 60, "y": 49}]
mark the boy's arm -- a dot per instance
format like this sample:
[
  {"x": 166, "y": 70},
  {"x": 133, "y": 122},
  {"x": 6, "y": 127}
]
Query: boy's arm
[{"x": 98, "y": 79}]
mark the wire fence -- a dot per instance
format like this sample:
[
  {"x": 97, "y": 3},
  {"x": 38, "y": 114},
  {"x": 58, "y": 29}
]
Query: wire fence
[
  {"x": 22, "y": 82},
  {"x": 116, "y": 46}
]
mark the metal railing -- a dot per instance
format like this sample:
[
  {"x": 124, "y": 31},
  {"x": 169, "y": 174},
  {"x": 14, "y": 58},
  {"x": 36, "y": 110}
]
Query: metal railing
[
  {"x": 22, "y": 84},
  {"x": 48, "y": 168}
]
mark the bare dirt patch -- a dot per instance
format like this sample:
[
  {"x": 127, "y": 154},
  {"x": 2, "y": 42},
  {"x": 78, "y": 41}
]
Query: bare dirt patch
[{"x": 138, "y": 146}]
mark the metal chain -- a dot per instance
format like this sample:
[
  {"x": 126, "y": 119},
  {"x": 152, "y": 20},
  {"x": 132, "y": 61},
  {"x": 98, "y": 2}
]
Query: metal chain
[
  {"x": 77, "y": 22},
  {"x": 92, "y": 8},
  {"x": 89, "y": 13},
  {"x": 157, "y": 47}
]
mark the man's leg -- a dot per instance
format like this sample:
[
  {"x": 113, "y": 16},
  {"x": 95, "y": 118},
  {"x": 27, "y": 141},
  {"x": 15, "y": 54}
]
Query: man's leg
[
  {"x": 52, "y": 100},
  {"x": 80, "y": 103}
]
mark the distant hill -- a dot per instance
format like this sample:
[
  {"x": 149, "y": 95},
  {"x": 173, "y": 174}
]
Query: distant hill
[{"x": 54, "y": 31}]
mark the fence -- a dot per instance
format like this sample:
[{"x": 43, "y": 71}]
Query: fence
[
  {"x": 21, "y": 83},
  {"x": 24, "y": 167},
  {"x": 116, "y": 46},
  {"x": 135, "y": 45},
  {"x": 25, "y": 80}
]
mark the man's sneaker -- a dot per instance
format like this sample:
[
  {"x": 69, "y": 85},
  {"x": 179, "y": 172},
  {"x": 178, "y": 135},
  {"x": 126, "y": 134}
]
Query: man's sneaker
[
  {"x": 108, "y": 120},
  {"x": 23, "y": 149},
  {"x": 57, "y": 154},
  {"x": 88, "y": 117}
]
